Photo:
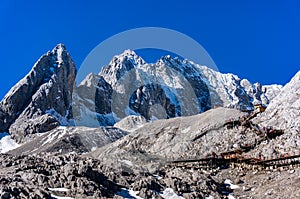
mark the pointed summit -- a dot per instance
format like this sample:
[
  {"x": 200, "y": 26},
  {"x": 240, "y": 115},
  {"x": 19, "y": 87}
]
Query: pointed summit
[
  {"x": 37, "y": 101},
  {"x": 121, "y": 64}
]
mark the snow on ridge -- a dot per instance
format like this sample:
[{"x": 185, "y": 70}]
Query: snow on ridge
[
  {"x": 63, "y": 120},
  {"x": 283, "y": 112}
]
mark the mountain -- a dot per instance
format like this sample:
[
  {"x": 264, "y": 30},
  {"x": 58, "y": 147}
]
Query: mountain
[
  {"x": 42, "y": 100},
  {"x": 168, "y": 88},
  {"x": 135, "y": 129},
  {"x": 47, "y": 96}
]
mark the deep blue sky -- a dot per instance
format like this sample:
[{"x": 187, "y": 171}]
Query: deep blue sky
[{"x": 257, "y": 40}]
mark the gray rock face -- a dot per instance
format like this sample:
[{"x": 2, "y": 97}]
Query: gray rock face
[
  {"x": 39, "y": 124},
  {"x": 103, "y": 92},
  {"x": 195, "y": 79},
  {"x": 43, "y": 95},
  {"x": 92, "y": 101},
  {"x": 145, "y": 96},
  {"x": 138, "y": 87}
]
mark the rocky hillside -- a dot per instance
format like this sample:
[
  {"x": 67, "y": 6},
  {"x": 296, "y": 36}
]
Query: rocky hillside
[
  {"x": 194, "y": 137},
  {"x": 284, "y": 113},
  {"x": 137, "y": 165},
  {"x": 185, "y": 137}
]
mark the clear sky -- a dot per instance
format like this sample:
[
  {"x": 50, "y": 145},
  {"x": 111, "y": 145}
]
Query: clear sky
[{"x": 257, "y": 40}]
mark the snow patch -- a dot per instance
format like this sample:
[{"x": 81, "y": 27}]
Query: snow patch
[
  {"x": 128, "y": 194},
  {"x": 230, "y": 196},
  {"x": 6, "y": 143},
  {"x": 50, "y": 137},
  {"x": 60, "y": 197},
  {"x": 59, "y": 189},
  {"x": 63, "y": 120},
  {"x": 157, "y": 177},
  {"x": 186, "y": 130},
  {"x": 232, "y": 186},
  {"x": 169, "y": 193},
  {"x": 127, "y": 162}
]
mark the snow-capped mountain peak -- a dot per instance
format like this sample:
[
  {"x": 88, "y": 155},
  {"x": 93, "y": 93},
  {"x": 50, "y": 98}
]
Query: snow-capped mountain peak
[
  {"x": 120, "y": 64},
  {"x": 134, "y": 86}
]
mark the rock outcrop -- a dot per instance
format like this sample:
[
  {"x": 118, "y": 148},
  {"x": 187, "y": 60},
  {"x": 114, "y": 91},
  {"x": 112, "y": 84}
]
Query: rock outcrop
[{"x": 50, "y": 176}]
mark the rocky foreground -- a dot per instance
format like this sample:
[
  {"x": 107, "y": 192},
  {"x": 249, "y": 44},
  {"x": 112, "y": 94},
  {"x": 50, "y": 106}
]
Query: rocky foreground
[
  {"x": 52, "y": 175},
  {"x": 139, "y": 164}
]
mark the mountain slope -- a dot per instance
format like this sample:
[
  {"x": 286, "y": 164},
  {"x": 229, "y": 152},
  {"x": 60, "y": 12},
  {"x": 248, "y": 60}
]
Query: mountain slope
[
  {"x": 283, "y": 113},
  {"x": 183, "y": 137},
  {"x": 70, "y": 140},
  {"x": 284, "y": 109}
]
